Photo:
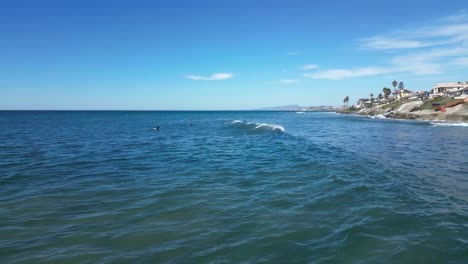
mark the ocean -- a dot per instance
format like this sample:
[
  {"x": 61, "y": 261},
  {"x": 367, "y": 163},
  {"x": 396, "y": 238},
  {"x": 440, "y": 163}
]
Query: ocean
[{"x": 230, "y": 187}]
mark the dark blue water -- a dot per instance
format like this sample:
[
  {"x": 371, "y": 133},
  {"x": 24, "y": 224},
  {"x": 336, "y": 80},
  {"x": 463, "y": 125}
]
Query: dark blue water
[{"x": 105, "y": 187}]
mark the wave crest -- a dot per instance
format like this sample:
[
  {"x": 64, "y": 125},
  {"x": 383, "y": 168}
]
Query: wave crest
[
  {"x": 449, "y": 124},
  {"x": 257, "y": 126},
  {"x": 377, "y": 116}
]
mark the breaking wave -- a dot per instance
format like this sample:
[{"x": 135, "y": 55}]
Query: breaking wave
[
  {"x": 257, "y": 126},
  {"x": 377, "y": 116},
  {"x": 449, "y": 124}
]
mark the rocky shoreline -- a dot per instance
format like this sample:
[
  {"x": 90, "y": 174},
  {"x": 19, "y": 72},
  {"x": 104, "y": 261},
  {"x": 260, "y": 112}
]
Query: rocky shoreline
[{"x": 409, "y": 110}]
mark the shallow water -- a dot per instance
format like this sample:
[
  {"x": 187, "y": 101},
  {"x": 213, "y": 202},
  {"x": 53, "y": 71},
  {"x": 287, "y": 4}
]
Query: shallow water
[{"x": 238, "y": 187}]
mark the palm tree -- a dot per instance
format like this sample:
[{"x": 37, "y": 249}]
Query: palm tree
[
  {"x": 372, "y": 97},
  {"x": 387, "y": 92},
  {"x": 394, "y": 83},
  {"x": 346, "y": 100},
  {"x": 401, "y": 86},
  {"x": 380, "y": 96}
]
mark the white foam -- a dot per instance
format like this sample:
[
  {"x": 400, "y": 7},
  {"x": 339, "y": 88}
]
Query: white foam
[
  {"x": 235, "y": 121},
  {"x": 270, "y": 126},
  {"x": 257, "y": 126},
  {"x": 376, "y": 116},
  {"x": 443, "y": 124},
  {"x": 300, "y": 112}
]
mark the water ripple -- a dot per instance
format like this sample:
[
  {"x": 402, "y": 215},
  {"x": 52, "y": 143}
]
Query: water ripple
[{"x": 87, "y": 187}]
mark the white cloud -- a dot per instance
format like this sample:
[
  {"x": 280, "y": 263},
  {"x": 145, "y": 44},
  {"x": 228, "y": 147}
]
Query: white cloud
[
  {"x": 338, "y": 74},
  {"x": 428, "y": 50},
  {"x": 460, "y": 62},
  {"x": 382, "y": 43},
  {"x": 213, "y": 77},
  {"x": 460, "y": 17},
  {"x": 428, "y": 61},
  {"x": 309, "y": 67},
  {"x": 447, "y": 30},
  {"x": 398, "y": 65},
  {"x": 428, "y": 55},
  {"x": 289, "y": 81}
]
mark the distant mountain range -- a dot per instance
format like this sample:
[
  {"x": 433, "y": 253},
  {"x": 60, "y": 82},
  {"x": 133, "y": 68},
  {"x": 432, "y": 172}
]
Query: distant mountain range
[{"x": 299, "y": 108}]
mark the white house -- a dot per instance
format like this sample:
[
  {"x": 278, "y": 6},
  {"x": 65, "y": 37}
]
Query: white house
[
  {"x": 462, "y": 94},
  {"x": 401, "y": 94},
  {"x": 449, "y": 88},
  {"x": 363, "y": 102}
]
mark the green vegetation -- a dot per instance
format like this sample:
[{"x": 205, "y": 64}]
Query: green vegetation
[
  {"x": 393, "y": 105},
  {"x": 428, "y": 105},
  {"x": 350, "y": 109},
  {"x": 387, "y": 92}
]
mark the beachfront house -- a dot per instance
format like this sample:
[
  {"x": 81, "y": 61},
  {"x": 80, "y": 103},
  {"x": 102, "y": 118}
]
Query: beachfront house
[
  {"x": 462, "y": 94},
  {"x": 420, "y": 95},
  {"x": 363, "y": 102},
  {"x": 451, "y": 89},
  {"x": 401, "y": 94}
]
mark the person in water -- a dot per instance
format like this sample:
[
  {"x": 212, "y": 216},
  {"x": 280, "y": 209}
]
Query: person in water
[{"x": 157, "y": 128}]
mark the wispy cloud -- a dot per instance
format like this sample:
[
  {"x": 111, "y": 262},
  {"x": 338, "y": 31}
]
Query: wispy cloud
[
  {"x": 398, "y": 65},
  {"x": 338, "y": 74},
  {"x": 294, "y": 53},
  {"x": 309, "y": 67},
  {"x": 289, "y": 81},
  {"x": 426, "y": 50},
  {"x": 426, "y": 62},
  {"x": 460, "y": 17},
  {"x": 460, "y": 62},
  {"x": 383, "y": 43},
  {"x": 214, "y": 77},
  {"x": 447, "y": 30}
]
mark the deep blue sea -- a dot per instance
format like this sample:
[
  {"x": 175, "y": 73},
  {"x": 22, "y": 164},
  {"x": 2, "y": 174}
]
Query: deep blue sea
[{"x": 231, "y": 187}]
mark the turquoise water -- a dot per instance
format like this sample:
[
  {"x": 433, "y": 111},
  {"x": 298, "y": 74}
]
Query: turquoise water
[{"x": 281, "y": 187}]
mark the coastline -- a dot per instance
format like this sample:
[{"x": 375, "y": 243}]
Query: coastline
[{"x": 409, "y": 110}]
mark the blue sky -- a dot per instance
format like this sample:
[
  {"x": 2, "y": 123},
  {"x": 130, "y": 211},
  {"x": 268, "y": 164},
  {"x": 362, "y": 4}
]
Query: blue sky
[{"x": 194, "y": 55}]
